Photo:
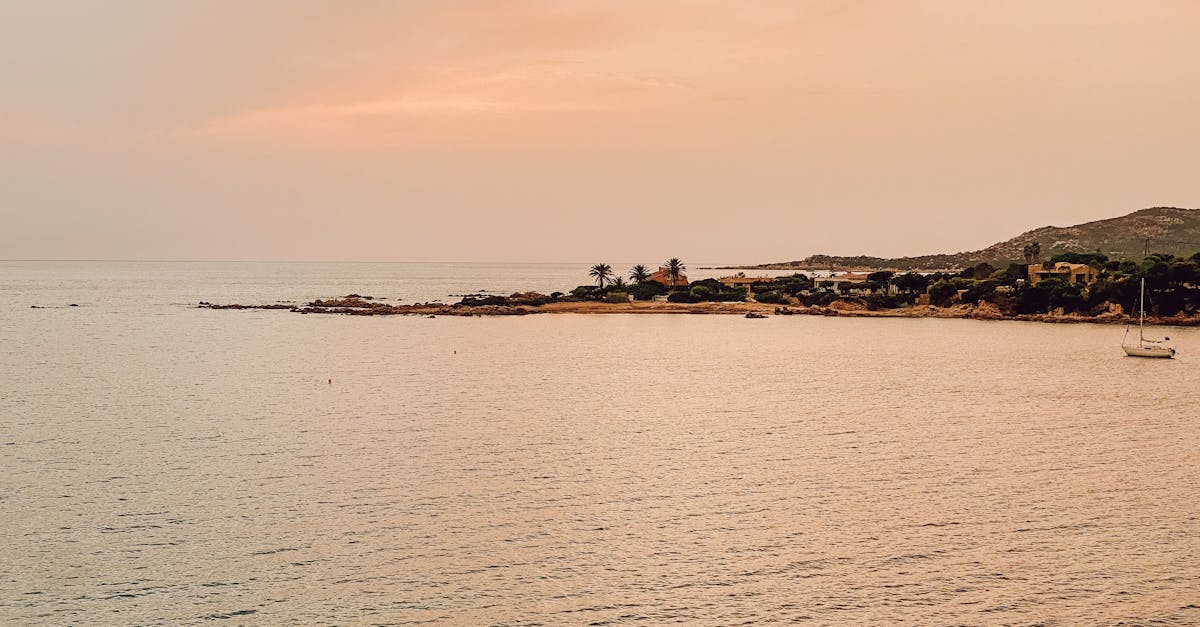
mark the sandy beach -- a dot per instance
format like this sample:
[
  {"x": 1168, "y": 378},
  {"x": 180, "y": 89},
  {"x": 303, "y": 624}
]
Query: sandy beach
[{"x": 983, "y": 311}]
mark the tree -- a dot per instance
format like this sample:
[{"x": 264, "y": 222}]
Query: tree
[
  {"x": 674, "y": 269},
  {"x": 982, "y": 271},
  {"x": 941, "y": 292},
  {"x": 879, "y": 280},
  {"x": 793, "y": 285},
  {"x": 602, "y": 272},
  {"x": 647, "y": 290},
  {"x": 1032, "y": 252},
  {"x": 618, "y": 283},
  {"x": 1096, "y": 260},
  {"x": 639, "y": 274},
  {"x": 910, "y": 282},
  {"x": 1014, "y": 273}
]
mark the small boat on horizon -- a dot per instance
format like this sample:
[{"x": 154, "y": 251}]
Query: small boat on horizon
[{"x": 1146, "y": 347}]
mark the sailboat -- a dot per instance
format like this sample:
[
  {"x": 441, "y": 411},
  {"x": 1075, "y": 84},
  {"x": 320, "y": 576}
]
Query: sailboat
[{"x": 1144, "y": 347}]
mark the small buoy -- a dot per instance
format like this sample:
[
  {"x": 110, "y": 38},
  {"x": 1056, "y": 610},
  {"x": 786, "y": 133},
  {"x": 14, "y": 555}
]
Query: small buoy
[{"x": 331, "y": 382}]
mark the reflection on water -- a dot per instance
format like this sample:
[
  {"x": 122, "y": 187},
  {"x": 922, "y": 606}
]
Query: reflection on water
[{"x": 168, "y": 464}]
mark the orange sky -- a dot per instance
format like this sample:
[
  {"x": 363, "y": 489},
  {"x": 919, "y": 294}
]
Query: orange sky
[{"x": 584, "y": 131}]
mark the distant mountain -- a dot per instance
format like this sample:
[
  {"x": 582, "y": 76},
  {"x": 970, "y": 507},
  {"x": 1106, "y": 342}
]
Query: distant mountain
[{"x": 1169, "y": 229}]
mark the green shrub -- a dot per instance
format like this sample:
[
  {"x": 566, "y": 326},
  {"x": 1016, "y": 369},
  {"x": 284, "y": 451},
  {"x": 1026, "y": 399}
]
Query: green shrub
[
  {"x": 1035, "y": 298},
  {"x": 647, "y": 290},
  {"x": 585, "y": 291},
  {"x": 616, "y": 297},
  {"x": 882, "y": 301},
  {"x": 711, "y": 284},
  {"x": 910, "y": 282},
  {"x": 768, "y": 297},
  {"x": 1096, "y": 259},
  {"x": 982, "y": 290},
  {"x": 683, "y": 297},
  {"x": 794, "y": 284},
  {"x": 820, "y": 299},
  {"x": 941, "y": 292}
]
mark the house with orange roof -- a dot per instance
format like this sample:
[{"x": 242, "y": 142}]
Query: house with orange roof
[
  {"x": 660, "y": 275},
  {"x": 1080, "y": 273}
]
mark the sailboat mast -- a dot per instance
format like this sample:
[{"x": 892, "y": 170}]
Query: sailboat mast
[
  {"x": 1142, "y": 311},
  {"x": 1142, "y": 298}
]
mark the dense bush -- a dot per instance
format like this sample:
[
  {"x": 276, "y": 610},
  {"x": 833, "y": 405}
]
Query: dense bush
[
  {"x": 820, "y": 299},
  {"x": 714, "y": 291},
  {"x": 683, "y": 297},
  {"x": 1050, "y": 294},
  {"x": 647, "y": 290},
  {"x": 1096, "y": 259},
  {"x": 711, "y": 284},
  {"x": 1069, "y": 296},
  {"x": 941, "y": 292},
  {"x": 981, "y": 290},
  {"x": 882, "y": 301},
  {"x": 979, "y": 272},
  {"x": 1012, "y": 274},
  {"x": 1033, "y": 299},
  {"x": 586, "y": 291},
  {"x": 794, "y": 284},
  {"x": 1172, "y": 285},
  {"x": 882, "y": 277},
  {"x": 769, "y": 297},
  {"x": 910, "y": 282},
  {"x": 793, "y": 288},
  {"x": 616, "y": 297}
]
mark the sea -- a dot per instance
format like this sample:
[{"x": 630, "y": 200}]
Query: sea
[{"x": 162, "y": 463}]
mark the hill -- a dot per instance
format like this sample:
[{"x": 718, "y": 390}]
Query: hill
[{"x": 1169, "y": 229}]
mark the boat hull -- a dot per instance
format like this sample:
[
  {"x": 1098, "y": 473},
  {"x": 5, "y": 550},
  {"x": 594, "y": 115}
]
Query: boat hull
[{"x": 1161, "y": 352}]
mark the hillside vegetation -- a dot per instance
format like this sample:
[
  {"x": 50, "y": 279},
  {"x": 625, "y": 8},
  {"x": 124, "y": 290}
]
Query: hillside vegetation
[{"x": 1170, "y": 230}]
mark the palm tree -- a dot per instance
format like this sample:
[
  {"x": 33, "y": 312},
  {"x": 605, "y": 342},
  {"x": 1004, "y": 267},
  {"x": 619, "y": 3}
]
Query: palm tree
[
  {"x": 1036, "y": 250},
  {"x": 674, "y": 268},
  {"x": 602, "y": 272},
  {"x": 618, "y": 283},
  {"x": 639, "y": 274},
  {"x": 1027, "y": 252}
]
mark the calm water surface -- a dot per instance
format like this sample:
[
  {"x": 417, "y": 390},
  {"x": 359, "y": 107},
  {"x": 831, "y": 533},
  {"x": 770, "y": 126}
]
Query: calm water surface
[{"x": 166, "y": 464}]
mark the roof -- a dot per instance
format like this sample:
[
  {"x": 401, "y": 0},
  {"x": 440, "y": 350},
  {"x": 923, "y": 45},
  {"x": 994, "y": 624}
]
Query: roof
[
  {"x": 660, "y": 275},
  {"x": 1061, "y": 268}
]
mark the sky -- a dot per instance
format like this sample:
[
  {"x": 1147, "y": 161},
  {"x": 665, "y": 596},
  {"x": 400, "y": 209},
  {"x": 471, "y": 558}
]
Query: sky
[{"x": 589, "y": 131}]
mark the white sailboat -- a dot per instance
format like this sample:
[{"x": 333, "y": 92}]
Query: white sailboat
[{"x": 1145, "y": 347}]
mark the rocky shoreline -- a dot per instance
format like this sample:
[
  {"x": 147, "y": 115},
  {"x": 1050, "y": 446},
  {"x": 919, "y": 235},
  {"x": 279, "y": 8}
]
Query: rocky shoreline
[{"x": 360, "y": 306}]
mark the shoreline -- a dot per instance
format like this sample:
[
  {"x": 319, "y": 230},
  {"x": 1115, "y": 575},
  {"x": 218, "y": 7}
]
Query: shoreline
[{"x": 985, "y": 311}]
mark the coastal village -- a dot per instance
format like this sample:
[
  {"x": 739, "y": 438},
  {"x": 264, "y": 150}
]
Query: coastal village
[{"x": 1068, "y": 287}]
